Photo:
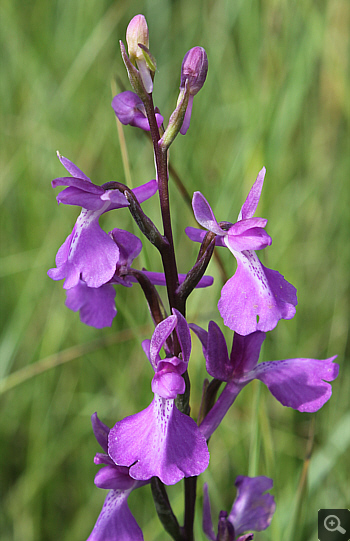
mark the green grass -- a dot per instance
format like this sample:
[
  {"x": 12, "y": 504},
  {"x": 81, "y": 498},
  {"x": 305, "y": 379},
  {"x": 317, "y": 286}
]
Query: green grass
[{"x": 277, "y": 94}]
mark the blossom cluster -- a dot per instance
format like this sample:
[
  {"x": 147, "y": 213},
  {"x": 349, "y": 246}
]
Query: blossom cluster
[{"x": 162, "y": 444}]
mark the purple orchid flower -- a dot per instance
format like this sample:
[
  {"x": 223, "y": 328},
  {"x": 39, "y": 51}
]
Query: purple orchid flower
[
  {"x": 129, "y": 109},
  {"x": 88, "y": 253},
  {"x": 96, "y": 305},
  {"x": 160, "y": 440},
  {"x": 299, "y": 383},
  {"x": 115, "y": 522},
  {"x": 251, "y": 510},
  {"x": 256, "y": 297}
]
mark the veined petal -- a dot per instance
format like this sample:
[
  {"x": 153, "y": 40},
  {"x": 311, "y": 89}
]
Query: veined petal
[
  {"x": 204, "y": 214},
  {"x": 255, "y": 292},
  {"x": 159, "y": 441},
  {"x": 116, "y": 523},
  {"x": 251, "y": 203},
  {"x": 88, "y": 253},
  {"x": 299, "y": 383},
  {"x": 162, "y": 331}
]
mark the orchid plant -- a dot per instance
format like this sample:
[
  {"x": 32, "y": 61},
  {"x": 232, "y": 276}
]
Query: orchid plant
[{"x": 163, "y": 444}]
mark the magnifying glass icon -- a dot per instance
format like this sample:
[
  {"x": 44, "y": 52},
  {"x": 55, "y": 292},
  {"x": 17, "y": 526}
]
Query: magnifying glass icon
[{"x": 332, "y": 524}]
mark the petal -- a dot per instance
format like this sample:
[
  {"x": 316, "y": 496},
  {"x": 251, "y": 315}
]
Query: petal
[
  {"x": 159, "y": 441},
  {"x": 213, "y": 419},
  {"x": 207, "y": 522},
  {"x": 146, "y": 190},
  {"x": 115, "y": 477},
  {"x": 187, "y": 117},
  {"x": 96, "y": 304},
  {"x": 204, "y": 214},
  {"x": 218, "y": 362},
  {"x": 251, "y": 203},
  {"x": 183, "y": 334},
  {"x": 197, "y": 235},
  {"x": 251, "y": 239},
  {"x": 71, "y": 168},
  {"x": 101, "y": 431},
  {"x": 162, "y": 331},
  {"x": 252, "y": 509},
  {"x": 158, "y": 279},
  {"x": 245, "y": 352},
  {"x": 116, "y": 523},
  {"x": 75, "y": 196},
  {"x": 299, "y": 383},
  {"x": 255, "y": 298},
  {"x": 85, "y": 185},
  {"x": 129, "y": 246},
  {"x": 168, "y": 384},
  {"x": 88, "y": 253}
]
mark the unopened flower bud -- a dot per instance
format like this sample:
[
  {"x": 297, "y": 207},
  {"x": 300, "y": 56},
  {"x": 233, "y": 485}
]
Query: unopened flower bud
[
  {"x": 194, "y": 69},
  {"x": 137, "y": 32},
  {"x": 138, "y": 43}
]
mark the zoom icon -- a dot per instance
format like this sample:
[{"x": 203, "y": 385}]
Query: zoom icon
[{"x": 334, "y": 525}]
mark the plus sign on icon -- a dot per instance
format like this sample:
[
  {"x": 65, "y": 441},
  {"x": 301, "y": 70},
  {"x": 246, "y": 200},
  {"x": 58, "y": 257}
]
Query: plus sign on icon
[{"x": 334, "y": 525}]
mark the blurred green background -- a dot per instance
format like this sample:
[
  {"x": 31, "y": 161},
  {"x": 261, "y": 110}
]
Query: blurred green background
[{"x": 277, "y": 94}]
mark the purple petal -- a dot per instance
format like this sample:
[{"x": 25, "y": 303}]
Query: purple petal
[
  {"x": 116, "y": 523},
  {"x": 213, "y": 419},
  {"x": 71, "y": 168},
  {"x": 146, "y": 190},
  {"x": 168, "y": 384},
  {"x": 162, "y": 331},
  {"x": 75, "y": 196},
  {"x": 129, "y": 246},
  {"x": 218, "y": 362},
  {"x": 299, "y": 383},
  {"x": 254, "y": 238},
  {"x": 197, "y": 235},
  {"x": 245, "y": 352},
  {"x": 115, "y": 477},
  {"x": 252, "y": 509},
  {"x": 187, "y": 117},
  {"x": 207, "y": 522},
  {"x": 251, "y": 203},
  {"x": 85, "y": 185},
  {"x": 158, "y": 279},
  {"x": 101, "y": 431},
  {"x": 96, "y": 305},
  {"x": 159, "y": 441},
  {"x": 130, "y": 110},
  {"x": 88, "y": 253},
  {"x": 204, "y": 214},
  {"x": 255, "y": 292},
  {"x": 183, "y": 334}
]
